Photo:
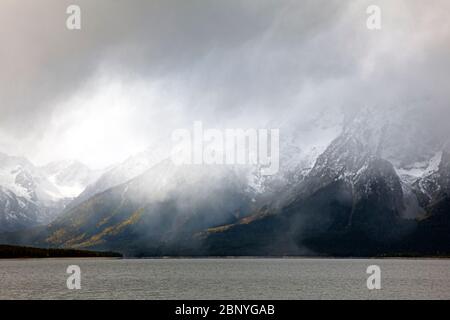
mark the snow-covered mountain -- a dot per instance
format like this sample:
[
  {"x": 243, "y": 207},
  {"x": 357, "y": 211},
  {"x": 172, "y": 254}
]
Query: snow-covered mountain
[
  {"x": 16, "y": 212},
  {"x": 300, "y": 147},
  {"x": 132, "y": 167},
  {"x": 135, "y": 193},
  {"x": 382, "y": 185},
  {"x": 378, "y": 182},
  {"x": 69, "y": 177},
  {"x": 164, "y": 205},
  {"x": 32, "y": 195}
]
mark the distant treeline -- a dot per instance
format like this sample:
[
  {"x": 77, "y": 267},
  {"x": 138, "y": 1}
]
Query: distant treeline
[{"x": 7, "y": 251}]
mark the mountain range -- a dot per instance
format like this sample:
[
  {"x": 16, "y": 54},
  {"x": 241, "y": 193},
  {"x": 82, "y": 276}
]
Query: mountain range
[{"x": 376, "y": 183}]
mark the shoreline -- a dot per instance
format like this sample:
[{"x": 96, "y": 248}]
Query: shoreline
[
  {"x": 291, "y": 257},
  {"x": 25, "y": 252},
  {"x": 226, "y": 258}
]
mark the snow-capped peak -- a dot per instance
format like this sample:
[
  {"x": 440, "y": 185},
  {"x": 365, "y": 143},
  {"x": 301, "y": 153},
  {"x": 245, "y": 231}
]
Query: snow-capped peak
[{"x": 32, "y": 195}]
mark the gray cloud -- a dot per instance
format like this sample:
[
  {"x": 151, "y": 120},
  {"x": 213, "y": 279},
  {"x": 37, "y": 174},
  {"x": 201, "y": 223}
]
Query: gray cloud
[{"x": 220, "y": 61}]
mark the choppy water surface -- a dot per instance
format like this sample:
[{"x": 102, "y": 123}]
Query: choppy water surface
[{"x": 224, "y": 279}]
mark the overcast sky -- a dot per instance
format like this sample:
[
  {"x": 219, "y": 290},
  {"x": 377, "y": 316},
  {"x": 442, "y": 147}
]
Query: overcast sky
[{"x": 139, "y": 69}]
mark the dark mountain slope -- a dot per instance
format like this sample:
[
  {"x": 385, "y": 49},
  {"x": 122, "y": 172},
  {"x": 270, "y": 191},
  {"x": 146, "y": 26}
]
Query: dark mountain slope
[
  {"x": 152, "y": 214},
  {"x": 351, "y": 203}
]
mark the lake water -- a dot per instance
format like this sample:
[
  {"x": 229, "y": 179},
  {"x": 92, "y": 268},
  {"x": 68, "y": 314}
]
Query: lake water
[{"x": 225, "y": 279}]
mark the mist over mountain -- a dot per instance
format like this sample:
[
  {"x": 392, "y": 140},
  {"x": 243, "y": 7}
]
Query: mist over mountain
[
  {"x": 353, "y": 201},
  {"x": 369, "y": 191},
  {"x": 118, "y": 174},
  {"x": 362, "y": 116}
]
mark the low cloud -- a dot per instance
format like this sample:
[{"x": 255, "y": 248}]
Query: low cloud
[{"x": 139, "y": 69}]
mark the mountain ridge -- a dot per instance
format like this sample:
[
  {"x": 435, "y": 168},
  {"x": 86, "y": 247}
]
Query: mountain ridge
[{"x": 361, "y": 197}]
